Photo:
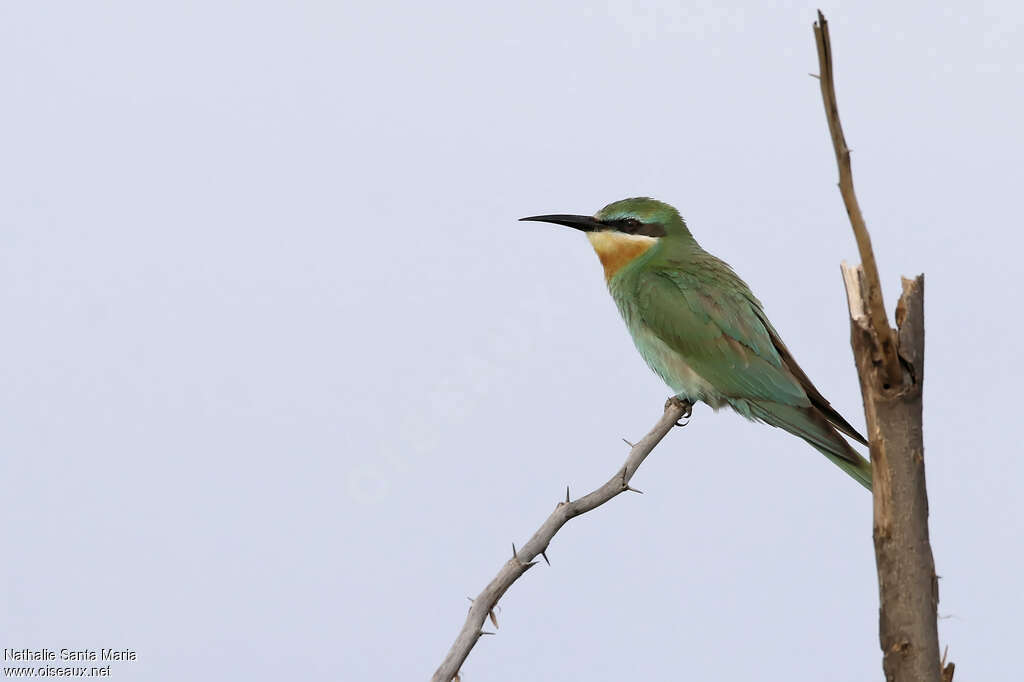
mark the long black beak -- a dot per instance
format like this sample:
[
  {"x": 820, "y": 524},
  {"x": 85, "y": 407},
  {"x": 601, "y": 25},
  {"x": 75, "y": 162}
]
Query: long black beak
[{"x": 580, "y": 222}]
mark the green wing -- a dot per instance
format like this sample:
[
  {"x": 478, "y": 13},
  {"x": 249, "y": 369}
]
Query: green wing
[
  {"x": 711, "y": 319},
  {"x": 707, "y": 314}
]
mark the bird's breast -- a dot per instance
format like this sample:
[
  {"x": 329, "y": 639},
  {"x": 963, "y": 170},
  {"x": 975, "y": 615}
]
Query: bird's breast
[
  {"x": 616, "y": 250},
  {"x": 673, "y": 367}
]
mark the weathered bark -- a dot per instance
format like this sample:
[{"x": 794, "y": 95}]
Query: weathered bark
[
  {"x": 890, "y": 364},
  {"x": 891, "y": 368},
  {"x": 907, "y": 587}
]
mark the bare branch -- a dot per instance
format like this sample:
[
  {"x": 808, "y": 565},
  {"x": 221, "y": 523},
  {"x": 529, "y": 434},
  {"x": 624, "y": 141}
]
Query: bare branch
[
  {"x": 485, "y": 602},
  {"x": 879, "y": 321}
]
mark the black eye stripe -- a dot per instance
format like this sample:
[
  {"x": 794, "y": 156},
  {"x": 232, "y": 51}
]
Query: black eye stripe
[
  {"x": 634, "y": 226},
  {"x": 628, "y": 225}
]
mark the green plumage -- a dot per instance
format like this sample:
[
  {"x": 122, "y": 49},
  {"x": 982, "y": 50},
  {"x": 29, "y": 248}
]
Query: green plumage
[
  {"x": 678, "y": 299},
  {"x": 700, "y": 328}
]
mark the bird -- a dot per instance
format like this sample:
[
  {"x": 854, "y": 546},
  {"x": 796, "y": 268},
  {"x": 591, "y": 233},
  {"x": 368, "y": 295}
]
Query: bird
[{"x": 701, "y": 329}]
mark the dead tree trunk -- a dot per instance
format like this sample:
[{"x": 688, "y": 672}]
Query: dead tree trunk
[{"x": 890, "y": 364}]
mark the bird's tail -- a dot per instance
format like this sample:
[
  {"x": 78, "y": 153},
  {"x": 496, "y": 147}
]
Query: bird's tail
[
  {"x": 813, "y": 427},
  {"x": 860, "y": 470}
]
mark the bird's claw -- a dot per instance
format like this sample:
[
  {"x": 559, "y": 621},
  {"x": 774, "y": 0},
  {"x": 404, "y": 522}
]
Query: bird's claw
[{"x": 687, "y": 409}]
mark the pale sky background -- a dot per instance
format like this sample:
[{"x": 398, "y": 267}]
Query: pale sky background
[{"x": 284, "y": 379}]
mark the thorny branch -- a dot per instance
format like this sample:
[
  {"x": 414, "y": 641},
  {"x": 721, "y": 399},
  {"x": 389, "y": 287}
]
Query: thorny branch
[{"x": 523, "y": 559}]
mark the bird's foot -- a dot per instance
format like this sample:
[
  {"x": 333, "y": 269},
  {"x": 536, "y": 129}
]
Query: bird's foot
[{"x": 685, "y": 404}]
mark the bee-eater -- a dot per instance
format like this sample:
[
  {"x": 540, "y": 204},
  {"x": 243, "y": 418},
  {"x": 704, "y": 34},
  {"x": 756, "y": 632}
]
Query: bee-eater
[{"x": 700, "y": 328}]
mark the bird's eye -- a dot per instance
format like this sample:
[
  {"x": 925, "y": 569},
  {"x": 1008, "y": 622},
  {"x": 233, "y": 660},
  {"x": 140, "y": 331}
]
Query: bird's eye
[{"x": 631, "y": 222}]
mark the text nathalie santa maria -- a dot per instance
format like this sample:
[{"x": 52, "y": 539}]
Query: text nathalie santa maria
[{"x": 69, "y": 654}]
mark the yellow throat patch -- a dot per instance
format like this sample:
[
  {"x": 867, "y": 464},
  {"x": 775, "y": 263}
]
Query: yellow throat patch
[{"x": 617, "y": 250}]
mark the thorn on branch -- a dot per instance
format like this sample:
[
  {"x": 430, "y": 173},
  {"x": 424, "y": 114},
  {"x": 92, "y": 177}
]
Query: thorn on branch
[
  {"x": 494, "y": 618},
  {"x": 632, "y": 445},
  {"x": 544, "y": 554},
  {"x": 567, "y": 494},
  {"x": 634, "y": 490},
  {"x": 947, "y": 668}
]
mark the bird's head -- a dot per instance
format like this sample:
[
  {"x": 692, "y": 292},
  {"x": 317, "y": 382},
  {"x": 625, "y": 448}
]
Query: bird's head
[
  {"x": 624, "y": 230},
  {"x": 637, "y": 216}
]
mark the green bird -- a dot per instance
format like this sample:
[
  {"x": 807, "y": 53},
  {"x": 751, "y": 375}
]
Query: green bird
[{"x": 699, "y": 327}]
